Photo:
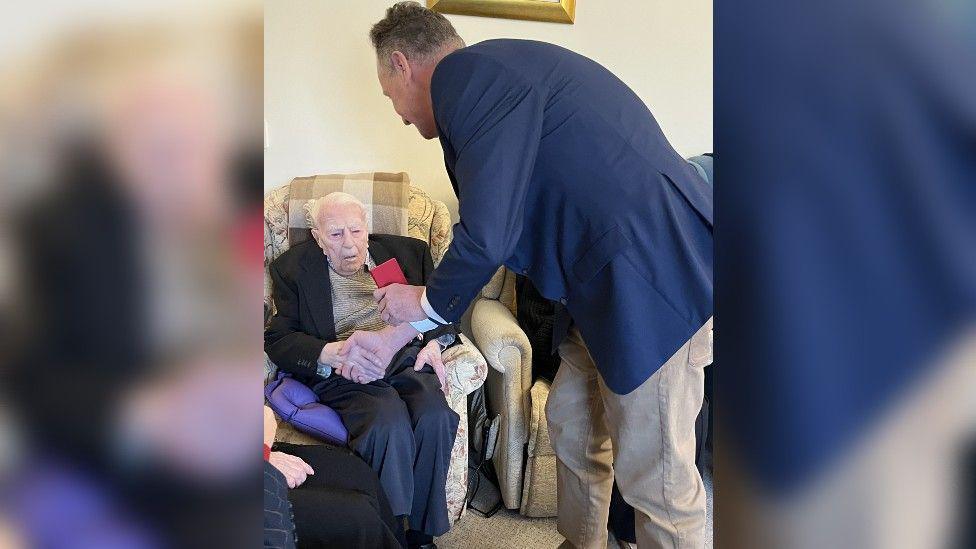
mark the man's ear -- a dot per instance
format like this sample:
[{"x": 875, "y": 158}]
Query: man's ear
[
  {"x": 400, "y": 64},
  {"x": 316, "y": 235}
]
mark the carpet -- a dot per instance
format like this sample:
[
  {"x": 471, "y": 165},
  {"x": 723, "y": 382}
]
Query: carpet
[{"x": 510, "y": 530}]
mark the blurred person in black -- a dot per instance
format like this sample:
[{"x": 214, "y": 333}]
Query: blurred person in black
[
  {"x": 86, "y": 335},
  {"x": 129, "y": 366},
  {"x": 335, "y": 498}
]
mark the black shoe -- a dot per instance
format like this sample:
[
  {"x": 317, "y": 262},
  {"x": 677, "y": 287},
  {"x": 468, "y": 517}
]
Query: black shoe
[{"x": 419, "y": 540}]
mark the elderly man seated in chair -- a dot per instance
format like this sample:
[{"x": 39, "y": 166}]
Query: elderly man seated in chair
[{"x": 385, "y": 382}]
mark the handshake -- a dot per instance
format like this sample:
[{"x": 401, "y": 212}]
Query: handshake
[{"x": 365, "y": 356}]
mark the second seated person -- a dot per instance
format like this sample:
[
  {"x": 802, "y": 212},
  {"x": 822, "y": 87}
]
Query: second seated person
[{"x": 327, "y": 332}]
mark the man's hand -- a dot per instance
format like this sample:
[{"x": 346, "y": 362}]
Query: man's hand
[
  {"x": 293, "y": 467},
  {"x": 399, "y": 303},
  {"x": 352, "y": 372},
  {"x": 358, "y": 365},
  {"x": 431, "y": 354},
  {"x": 367, "y": 353},
  {"x": 330, "y": 354},
  {"x": 371, "y": 352}
]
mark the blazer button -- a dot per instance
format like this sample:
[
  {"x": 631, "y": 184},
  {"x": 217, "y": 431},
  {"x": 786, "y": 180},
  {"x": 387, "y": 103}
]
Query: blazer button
[{"x": 453, "y": 303}]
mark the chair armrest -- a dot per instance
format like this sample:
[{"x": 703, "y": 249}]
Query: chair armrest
[
  {"x": 507, "y": 350},
  {"x": 465, "y": 366},
  {"x": 496, "y": 331}
]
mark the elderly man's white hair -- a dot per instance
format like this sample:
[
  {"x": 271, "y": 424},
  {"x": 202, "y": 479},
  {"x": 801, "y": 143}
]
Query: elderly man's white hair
[{"x": 314, "y": 207}]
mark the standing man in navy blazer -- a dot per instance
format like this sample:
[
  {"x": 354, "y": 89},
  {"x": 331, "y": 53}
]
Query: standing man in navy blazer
[{"x": 562, "y": 174}]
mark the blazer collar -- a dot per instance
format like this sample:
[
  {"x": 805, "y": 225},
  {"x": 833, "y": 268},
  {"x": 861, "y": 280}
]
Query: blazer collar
[
  {"x": 317, "y": 287},
  {"x": 379, "y": 251}
]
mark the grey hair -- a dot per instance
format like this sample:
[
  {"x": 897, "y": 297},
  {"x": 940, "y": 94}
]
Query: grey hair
[
  {"x": 313, "y": 208},
  {"x": 414, "y": 30}
]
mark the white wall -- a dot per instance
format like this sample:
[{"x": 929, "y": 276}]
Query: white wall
[{"x": 326, "y": 114}]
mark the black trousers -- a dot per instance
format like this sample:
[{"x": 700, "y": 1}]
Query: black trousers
[
  {"x": 279, "y": 527},
  {"x": 403, "y": 428},
  {"x": 342, "y": 504}
]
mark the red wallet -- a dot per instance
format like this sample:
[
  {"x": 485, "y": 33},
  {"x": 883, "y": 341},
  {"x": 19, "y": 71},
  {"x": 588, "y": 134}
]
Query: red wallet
[{"x": 387, "y": 273}]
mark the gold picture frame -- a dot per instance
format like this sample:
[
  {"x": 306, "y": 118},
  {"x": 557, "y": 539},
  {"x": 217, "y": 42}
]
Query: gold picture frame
[{"x": 556, "y": 11}]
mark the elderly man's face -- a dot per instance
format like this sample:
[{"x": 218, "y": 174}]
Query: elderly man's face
[{"x": 343, "y": 236}]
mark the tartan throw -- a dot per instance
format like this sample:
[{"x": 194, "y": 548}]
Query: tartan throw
[{"x": 385, "y": 195}]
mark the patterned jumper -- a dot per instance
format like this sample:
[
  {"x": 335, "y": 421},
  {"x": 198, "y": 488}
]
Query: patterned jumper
[{"x": 353, "y": 305}]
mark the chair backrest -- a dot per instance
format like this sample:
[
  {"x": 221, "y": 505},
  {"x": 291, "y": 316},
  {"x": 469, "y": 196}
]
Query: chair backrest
[
  {"x": 385, "y": 195},
  {"x": 393, "y": 205}
]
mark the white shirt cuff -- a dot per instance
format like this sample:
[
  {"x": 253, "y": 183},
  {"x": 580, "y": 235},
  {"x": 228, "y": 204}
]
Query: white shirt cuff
[{"x": 431, "y": 313}]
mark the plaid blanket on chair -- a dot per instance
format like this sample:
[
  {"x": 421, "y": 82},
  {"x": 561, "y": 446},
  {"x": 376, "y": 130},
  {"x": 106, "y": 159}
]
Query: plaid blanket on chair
[{"x": 386, "y": 196}]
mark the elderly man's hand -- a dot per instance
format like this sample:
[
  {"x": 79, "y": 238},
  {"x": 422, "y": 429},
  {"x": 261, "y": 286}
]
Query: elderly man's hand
[
  {"x": 355, "y": 373},
  {"x": 292, "y": 467},
  {"x": 431, "y": 354},
  {"x": 371, "y": 351},
  {"x": 367, "y": 352},
  {"x": 399, "y": 303}
]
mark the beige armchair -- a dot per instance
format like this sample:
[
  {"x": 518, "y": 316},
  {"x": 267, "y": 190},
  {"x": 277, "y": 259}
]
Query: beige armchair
[
  {"x": 395, "y": 207},
  {"x": 523, "y": 458}
]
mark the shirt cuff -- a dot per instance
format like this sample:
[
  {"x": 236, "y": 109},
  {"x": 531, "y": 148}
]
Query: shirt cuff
[{"x": 431, "y": 313}]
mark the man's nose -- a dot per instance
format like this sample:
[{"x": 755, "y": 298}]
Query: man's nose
[
  {"x": 406, "y": 122},
  {"x": 347, "y": 240}
]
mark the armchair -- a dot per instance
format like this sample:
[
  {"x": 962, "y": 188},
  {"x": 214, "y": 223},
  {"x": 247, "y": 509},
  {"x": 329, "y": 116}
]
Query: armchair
[
  {"x": 395, "y": 207},
  {"x": 523, "y": 458}
]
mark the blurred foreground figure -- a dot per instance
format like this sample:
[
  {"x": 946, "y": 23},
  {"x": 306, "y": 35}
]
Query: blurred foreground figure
[
  {"x": 133, "y": 368},
  {"x": 846, "y": 292},
  {"x": 323, "y": 496}
]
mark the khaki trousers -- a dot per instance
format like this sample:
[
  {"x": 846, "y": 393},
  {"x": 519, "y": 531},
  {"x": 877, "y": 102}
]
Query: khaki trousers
[
  {"x": 898, "y": 486},
  {"x": 644, "y": 439}
]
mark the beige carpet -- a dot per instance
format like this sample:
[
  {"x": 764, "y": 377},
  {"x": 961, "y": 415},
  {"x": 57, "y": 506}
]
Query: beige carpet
[
  {"x": 510, "y": 530},
  {"x": 504, "y": 529}
]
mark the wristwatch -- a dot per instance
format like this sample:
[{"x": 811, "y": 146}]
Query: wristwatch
[{"x": 445, "y": 340}]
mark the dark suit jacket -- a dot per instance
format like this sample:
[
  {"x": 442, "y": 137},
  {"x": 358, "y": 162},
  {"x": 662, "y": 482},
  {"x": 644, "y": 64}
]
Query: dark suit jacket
[
  {"x": 86, "y": 342},
  {"x": 302, "y": 293},
  {"x": 563, "y": 175}
]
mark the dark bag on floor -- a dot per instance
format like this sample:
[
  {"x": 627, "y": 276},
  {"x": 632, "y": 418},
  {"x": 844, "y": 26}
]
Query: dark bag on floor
[{"x": 483, "y": 495}]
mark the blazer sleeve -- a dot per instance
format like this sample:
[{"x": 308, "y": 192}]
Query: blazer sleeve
[
  {"x": 290, "y": 348},
  {"x": 427, "y": 270},
  {"x": 493, "y": 121}
]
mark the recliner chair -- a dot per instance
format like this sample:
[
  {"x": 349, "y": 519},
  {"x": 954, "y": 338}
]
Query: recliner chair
[{"x": 395, "y": 207}]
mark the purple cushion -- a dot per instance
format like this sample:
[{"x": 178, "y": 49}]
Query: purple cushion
[{"x": 296, "y": 404}]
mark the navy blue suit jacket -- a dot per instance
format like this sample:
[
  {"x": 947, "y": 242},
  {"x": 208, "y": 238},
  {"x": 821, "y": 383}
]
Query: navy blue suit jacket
[{"x": 562, "y": 174}]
